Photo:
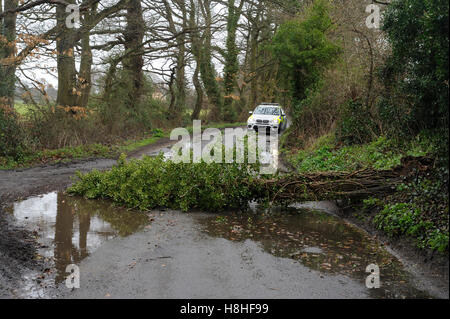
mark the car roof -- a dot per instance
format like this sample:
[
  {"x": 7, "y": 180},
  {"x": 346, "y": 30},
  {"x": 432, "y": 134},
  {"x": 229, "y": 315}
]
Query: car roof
[{"x": 270, "y": 104}]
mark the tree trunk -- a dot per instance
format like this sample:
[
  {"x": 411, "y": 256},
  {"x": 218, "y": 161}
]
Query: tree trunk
[
  {"x": 134, "y": 62},
  {"x": 207, "y": 71},
  {"x": 178, "y": 102},
  {"x": 231, "y": 67},
  {"x": 109, "y": 79},
  {"x": 84, "y": 76},
  {"x": 67, "y": 85},
  {"x": 253, "y": 63},
  {"x": 7, "y": 54},
  {"x": 199, "y": 91},
  {"x": 172, "y": 95}
]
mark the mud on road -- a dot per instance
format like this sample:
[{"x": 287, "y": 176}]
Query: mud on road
[{"x": 18, "y": 245}]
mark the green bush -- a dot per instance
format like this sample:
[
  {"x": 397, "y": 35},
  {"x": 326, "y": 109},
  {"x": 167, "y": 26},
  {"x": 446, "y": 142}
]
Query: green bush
[
  {"x": 11, "y": 135},
  {"x": 396, "y": 117},
  {"x": 122, "y": 118},
  {"x": 398, "y": 219},
  {"x": 302, "y": 46},
  {"x": 406, "y": 219},
  {"x": 417, "y": 70},
  {"x": 157, "y": 132},
  {"x": 356, "y": 125},
  {"x": 438, "y": 240},
  {"x": 153, "y": 182},
  {"x": 382, "y": 153}
]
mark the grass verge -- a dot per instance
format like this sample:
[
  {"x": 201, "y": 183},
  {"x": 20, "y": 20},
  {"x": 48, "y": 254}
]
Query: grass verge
[{"x": 418, "y": 209}]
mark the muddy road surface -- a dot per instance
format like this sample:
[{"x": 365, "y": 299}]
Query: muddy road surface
[
  {"x": 17, "y": 244},
  {"x": 282, "y": 253},
  {"x": 304, "y": 251}
]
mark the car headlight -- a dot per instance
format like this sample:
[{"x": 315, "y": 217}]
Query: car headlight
[
  {"x": 250, "y": 119},
  {"x": 276, "y": 120}
]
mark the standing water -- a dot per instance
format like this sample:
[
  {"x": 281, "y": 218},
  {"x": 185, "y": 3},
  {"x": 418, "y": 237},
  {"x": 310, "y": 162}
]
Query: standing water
[
  {"x": 68, "y": 229},
  {"x": 319, "y": 241}
]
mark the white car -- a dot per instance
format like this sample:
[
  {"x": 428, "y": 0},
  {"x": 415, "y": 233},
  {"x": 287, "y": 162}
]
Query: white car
[{"x": 267, "y": 116}]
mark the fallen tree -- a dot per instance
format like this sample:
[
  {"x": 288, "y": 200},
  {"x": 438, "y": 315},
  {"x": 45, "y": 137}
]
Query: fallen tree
[
  {"x": 153, "y": 182},
  {"x": 337, "y": 185},
  {"x": 330, "y": 185}
]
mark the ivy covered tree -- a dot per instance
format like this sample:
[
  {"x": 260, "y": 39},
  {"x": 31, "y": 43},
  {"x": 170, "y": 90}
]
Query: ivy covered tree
[
  {"x": 417, "y": 30},
  {"x": 303, "y": 50}
]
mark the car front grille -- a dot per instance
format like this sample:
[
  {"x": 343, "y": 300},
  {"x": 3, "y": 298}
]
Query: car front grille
[{"x": 262, "y": 121}]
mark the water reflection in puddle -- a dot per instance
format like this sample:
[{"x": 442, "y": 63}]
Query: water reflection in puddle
[
  {"x": 68, "y": 228},
  {"x": 320, "y": 241}
]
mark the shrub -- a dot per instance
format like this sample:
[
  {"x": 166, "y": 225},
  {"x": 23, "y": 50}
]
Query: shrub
[
  {"x": 302, "y": 46},
  {"x": 153, "y": 182},
  {"x": 438, "y": 240},
  {"x": 398, "y": 219},
  {"x": 11, "y": 134},
  {"x": 356, "y": 125},
  {"x": 157, "y": 132},
  {"x": 417, "y": 31},
  {"x": 382, "y": 153},
  {"x": 406, "y": 219}
]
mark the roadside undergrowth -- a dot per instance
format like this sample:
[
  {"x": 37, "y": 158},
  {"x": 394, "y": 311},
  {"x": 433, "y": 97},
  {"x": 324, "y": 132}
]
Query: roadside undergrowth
[{"x": 418, "y": 208}]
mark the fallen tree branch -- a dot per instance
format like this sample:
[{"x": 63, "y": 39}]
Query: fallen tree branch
[{"x": 298, "y": 187}]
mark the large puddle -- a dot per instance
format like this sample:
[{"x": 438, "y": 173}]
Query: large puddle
[
  {"x": 69, "y": 228},
  {"x": 319, "y": 241}
]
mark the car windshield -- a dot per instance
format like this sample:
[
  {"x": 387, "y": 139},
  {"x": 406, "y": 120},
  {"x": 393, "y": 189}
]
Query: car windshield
[{"x": 267, "y": 110}]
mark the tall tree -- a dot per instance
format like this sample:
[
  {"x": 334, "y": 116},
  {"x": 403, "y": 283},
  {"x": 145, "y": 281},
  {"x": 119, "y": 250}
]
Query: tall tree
[
  {"x": 8, "y": 52},
  {"x": 134, "y": 61},
  {"x": 178, "y": 101},
  {"x": 67, "y": 74},
  {"x": 419, "y": 63},
  {"x": 196, "y": 52},
  {"x": 208, "y": 72},
  {"x": 231, "y": 67},
  {"x": 84, "y": 76}
]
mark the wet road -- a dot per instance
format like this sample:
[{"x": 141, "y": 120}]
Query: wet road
[
  {"x": 287, "y": 253},
  {"x": 284, "y": 253}
]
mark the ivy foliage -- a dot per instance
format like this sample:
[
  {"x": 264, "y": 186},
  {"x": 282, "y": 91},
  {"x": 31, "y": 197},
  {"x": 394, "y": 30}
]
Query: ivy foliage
[
  {"x": 154, "y": 182},
  {"x": 303, "y": 50},
  {"x": 417, "y": 31}
]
